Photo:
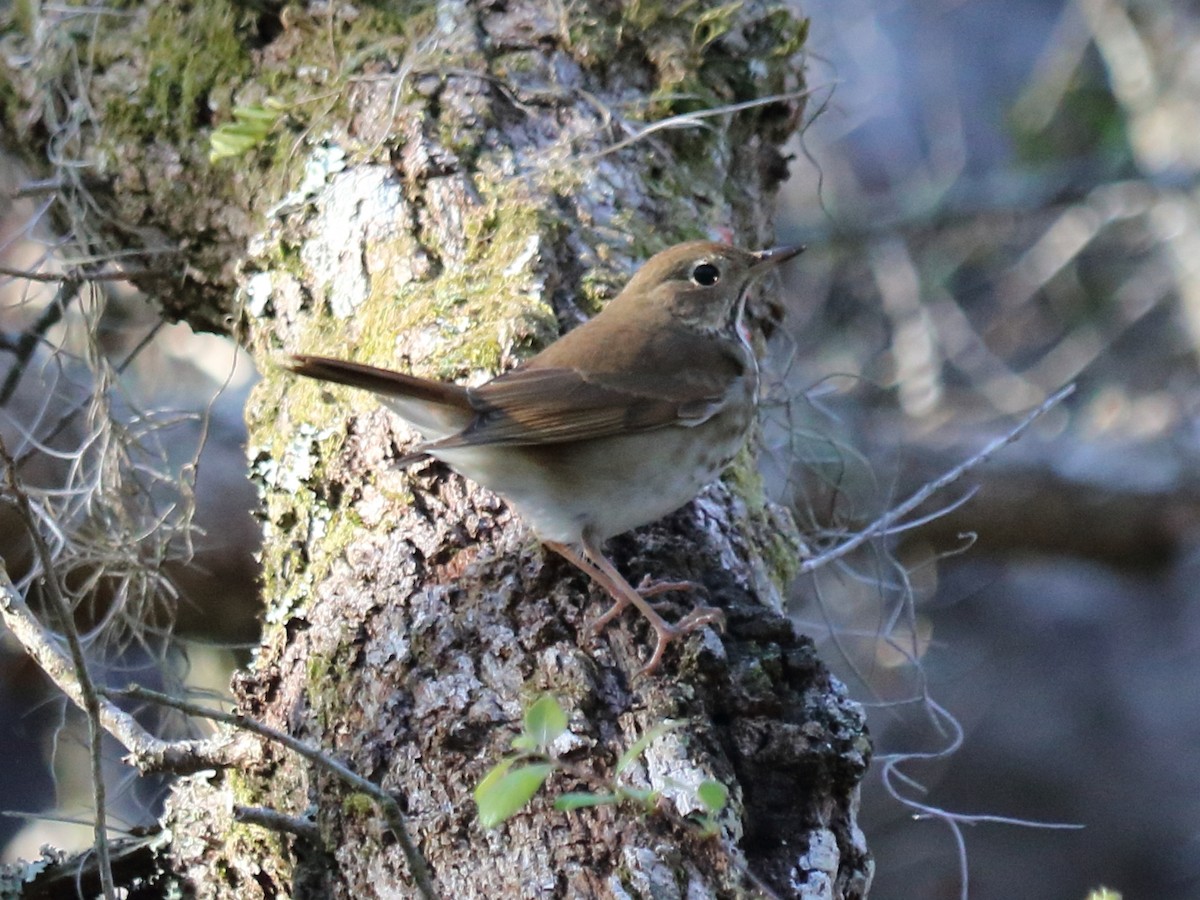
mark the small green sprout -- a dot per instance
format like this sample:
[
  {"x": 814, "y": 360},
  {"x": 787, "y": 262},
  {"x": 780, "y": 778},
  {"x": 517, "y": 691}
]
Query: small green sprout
[
  {"x": 249, "y": 128},
  {"x": 511, "y": 783}
]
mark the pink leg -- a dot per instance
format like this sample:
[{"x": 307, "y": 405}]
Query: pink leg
[
  {"x": 595, "y": 564},
  {"x": 648, "y": 588}
]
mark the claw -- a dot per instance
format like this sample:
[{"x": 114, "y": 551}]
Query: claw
[
  {"x": 697, "y": 618},
  {"x": 608, "y": 615},
  {"x": 701, "y": 616},
  {"x": 649, "y": 588},
  {"x": 646, "y": 588},
  {"x": 592, "y": 562}
]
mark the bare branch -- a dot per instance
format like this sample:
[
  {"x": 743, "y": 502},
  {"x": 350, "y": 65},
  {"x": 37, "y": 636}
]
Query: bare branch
[
  {"x": 692, "y": 119},
  {"x": 887, "y": 523},
  {"x": 76, "y": 276},
  {"x": 148, "y": 753},
  {"x": 87, "y": 698},
  {"x": 387, "y": 803},
  {"x": 274, "y": 820}
]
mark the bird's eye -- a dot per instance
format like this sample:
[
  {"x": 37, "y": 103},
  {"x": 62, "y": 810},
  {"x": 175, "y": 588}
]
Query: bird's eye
[{"x": 706, "y": 274}]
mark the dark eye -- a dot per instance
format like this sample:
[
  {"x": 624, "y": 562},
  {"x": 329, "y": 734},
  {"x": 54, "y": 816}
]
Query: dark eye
[{"x": 706, "y": 274}]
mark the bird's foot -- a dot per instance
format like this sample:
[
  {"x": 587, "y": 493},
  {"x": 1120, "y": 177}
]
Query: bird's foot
[
  {"x": 665, "y": 633},
  {"x": 646, "y": 588}
]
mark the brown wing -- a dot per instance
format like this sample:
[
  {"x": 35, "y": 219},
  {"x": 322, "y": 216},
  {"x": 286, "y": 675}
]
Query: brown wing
[{"x": 546, "y": 405}]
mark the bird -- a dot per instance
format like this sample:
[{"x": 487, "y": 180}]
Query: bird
[{"x": 617, "y": 423}]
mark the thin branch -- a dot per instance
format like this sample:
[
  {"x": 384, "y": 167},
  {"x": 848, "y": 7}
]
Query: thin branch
[
  {"x": 23, "y": 347},
  {"x": 887, "y": 523},
  {"x": 149, "y": 754},
  {"x": 691, "y": 119},
  {"x": 96, "y": 275},
  {"x": 52, "y": 186},
  {"x": 387, "y": 803},
  {"x": 88, "y": 699},
  {"x": 274, "y": 820}
]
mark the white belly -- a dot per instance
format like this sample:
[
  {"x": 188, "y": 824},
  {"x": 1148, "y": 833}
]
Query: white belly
[{"x": 605, "y": 487}]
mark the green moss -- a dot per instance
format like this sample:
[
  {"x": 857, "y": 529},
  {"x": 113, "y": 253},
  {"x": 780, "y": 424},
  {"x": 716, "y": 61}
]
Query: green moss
[
  {"x": 714, "y": 23},
  {"x": 327, "y": 672},
  {"x": 244, "y": 841},
  {"x": 22, "y": 17},
  {"x": 188, "y": 53},
  {"x": 780, "y": 550},
  {"x": 777, "y": 541},
  {"x": 292, "y": 474},
  {"x": 291, "y": 568},
  {"x": 691, "y": 67},
  {"x": 744, "y": 479},
  {"x": 193, "y": 64},
  {"x": 317, "y": 667},
  {"x": 781, "y": 33},
  {"x": 358, "y": 804},
  {"x": 518, "y": 62},
  {"x": 485, "y": 309},
  {"x": 753, "y": 675}
]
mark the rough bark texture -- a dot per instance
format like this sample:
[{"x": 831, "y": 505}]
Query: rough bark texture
[{"x": 448, "y": 210}]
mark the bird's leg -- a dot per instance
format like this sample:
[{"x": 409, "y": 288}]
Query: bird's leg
[
  {"x": 646, "y": 587},
  {"x": 589, "y": 568},
  {"x": 596, "y": 564}
]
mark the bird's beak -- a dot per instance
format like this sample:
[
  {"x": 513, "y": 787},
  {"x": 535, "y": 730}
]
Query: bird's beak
[{"x": 769, "y": 259}]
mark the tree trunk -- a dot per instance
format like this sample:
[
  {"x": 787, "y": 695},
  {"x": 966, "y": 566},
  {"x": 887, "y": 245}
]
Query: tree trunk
[{"x": 449, "y": 209}]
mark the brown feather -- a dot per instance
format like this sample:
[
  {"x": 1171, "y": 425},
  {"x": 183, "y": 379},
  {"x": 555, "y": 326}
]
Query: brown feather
[
  {"x": 381, "y": 381},
  {"x": 540, "y": 404}
]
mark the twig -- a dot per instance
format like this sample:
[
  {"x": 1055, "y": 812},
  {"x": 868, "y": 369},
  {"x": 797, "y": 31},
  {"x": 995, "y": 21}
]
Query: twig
[
  {"x": 87, "y": 699},
  {"x": 96, "y": 275},
  {"x": 688, "y": 119},
  {"x": 885, "y": 524},
  {"x": 274, "y": 820},
  {"x": 39, "y": 188},
  {"x": 148, "y": 753},
  {"x": 387, "y": 804},
  {"x": 22, "y": 349}
]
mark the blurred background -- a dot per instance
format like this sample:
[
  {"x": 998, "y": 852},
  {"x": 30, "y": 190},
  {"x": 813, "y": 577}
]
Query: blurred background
[{"x": 999, "y": 199}]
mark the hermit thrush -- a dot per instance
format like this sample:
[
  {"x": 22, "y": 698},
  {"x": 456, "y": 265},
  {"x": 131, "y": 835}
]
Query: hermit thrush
[{"x": 619, "y": 422}]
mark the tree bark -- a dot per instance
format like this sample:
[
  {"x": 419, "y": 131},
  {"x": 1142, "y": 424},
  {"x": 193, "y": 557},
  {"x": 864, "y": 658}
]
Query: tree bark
[{"x": 448, "y": 207}]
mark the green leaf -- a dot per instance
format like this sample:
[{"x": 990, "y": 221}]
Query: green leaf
[
  {"x": 224, "y": 144},
  {"x": 525, "y": 743},
  {"x": 504, "y": 791},
  {"x": 644, "y": 797},
  {"x": 639, "y": 746},
  {"x": 582, "y": 799},
  {"x": 713, "y": 795},
  {"x": 495, "y": 773},
  {"x": 250, "y": 128},
  {"x": 545, "y": 721},
  {"x": 255, "y": 114}
]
